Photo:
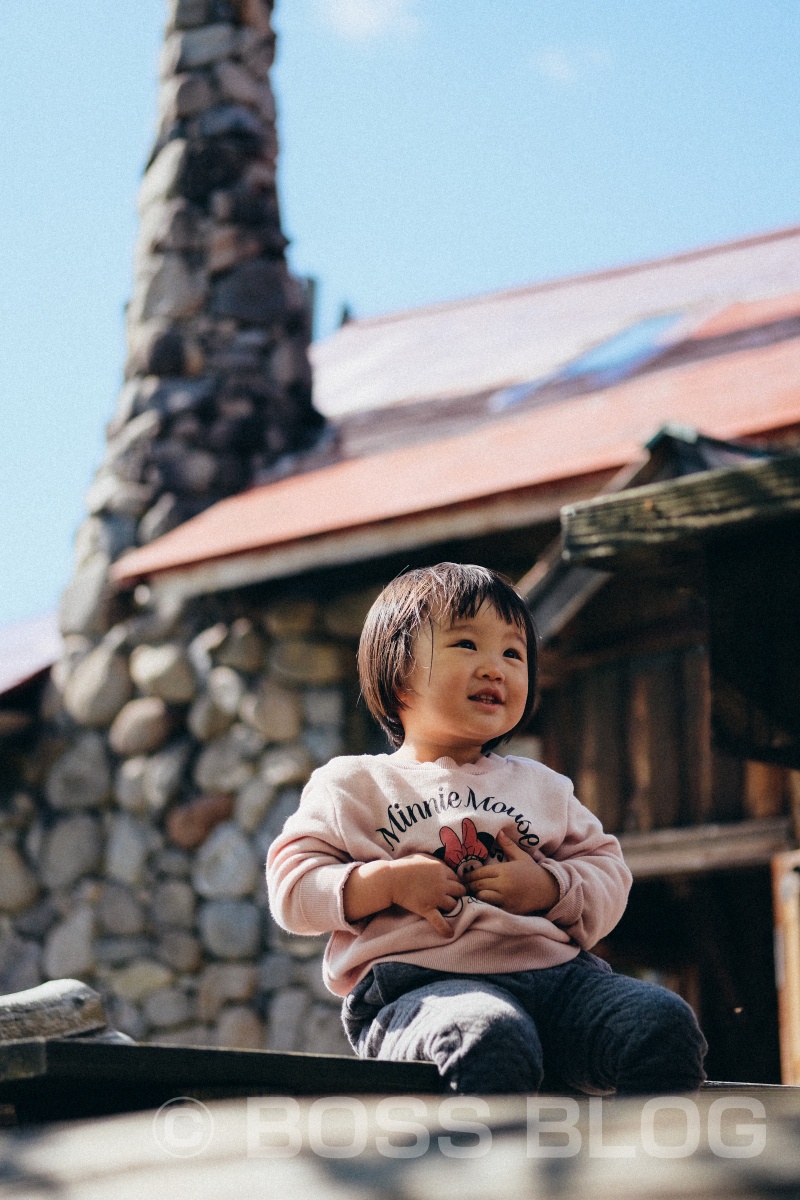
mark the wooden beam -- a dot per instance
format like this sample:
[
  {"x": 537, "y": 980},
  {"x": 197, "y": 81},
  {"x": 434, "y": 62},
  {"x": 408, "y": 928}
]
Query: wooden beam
[
  {"x": 698, "y": 848},
  {"x": 691, "y": 508}
]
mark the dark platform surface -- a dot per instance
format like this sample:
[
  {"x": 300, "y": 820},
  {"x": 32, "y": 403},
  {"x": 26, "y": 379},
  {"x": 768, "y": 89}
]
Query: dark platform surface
[{"x": 76, "y": 1077}]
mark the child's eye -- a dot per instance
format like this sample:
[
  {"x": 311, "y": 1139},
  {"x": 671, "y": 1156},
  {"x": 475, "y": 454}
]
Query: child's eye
[
  {"x": 512, "y": 653},
  {"x": 467, "y": 643}
]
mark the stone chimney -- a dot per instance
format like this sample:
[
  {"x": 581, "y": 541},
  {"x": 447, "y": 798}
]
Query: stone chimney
[{"x": 217, "y": 381}]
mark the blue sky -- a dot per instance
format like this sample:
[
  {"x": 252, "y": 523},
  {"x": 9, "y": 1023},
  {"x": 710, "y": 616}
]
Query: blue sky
[{"x": 430, "y": 149}]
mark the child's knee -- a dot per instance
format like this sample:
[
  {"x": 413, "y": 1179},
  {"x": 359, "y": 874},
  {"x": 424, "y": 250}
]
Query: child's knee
[
  {"x": 670, "y": 1016},
  {"x": 666, "y": 1048},
  {"x": 489, "y": 1048}
]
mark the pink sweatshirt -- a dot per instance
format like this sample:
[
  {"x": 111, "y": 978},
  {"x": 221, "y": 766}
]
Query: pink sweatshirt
[{"x": 367, "y": 807}]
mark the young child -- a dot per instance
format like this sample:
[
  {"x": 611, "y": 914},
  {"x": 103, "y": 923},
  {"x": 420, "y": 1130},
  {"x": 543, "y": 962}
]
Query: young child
[{"x": 464, "y": 890}]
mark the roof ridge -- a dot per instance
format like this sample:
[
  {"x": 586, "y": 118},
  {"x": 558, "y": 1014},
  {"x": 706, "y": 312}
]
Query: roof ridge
[{"x": 567, "y": 280}]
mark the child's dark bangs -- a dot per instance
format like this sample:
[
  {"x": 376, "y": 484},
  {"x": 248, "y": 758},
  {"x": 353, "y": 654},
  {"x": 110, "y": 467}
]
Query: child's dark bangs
[{"x": 473, "y": 593}]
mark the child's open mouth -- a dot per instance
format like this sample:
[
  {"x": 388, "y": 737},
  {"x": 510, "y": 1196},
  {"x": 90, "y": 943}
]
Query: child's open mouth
[{"x": 490, "y": 699}]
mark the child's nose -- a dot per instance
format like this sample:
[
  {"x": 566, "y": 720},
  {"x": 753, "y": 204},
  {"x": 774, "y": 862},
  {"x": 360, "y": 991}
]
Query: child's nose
[{"x": 492, "y": 669}]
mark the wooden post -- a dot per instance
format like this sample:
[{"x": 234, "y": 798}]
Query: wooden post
[
  {"x": 654, "y": 746},
  {"x": 793, "y": 784},
  {"x": 764, "y": 790},
  {"x": 697, "y": 733},
  {"x": 598, "y": 778},
  {"x": 786, "y": 904}
]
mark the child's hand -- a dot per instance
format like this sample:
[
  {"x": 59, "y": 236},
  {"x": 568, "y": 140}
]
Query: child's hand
[
  {"x": 519, "y": 885},
  {"x": 420, "y": 883},
  {"x": 426, "y": 886}
]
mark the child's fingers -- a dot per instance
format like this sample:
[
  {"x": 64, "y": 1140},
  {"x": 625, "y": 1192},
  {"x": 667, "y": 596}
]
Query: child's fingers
[
  {"x": 490, "y": 896},
  {"x": 509, "y": 846},
  {"x": 435, "y": 919},
  {"x": 482, "y": 875}
]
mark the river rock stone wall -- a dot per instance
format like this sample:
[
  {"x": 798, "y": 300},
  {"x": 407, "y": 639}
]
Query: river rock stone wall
[
  {"x": 174, "y": 741},
  {"x": 132, "y": 853}
]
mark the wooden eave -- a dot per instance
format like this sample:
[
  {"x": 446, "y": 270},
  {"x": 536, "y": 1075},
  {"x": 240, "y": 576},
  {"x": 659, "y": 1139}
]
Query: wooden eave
[
  {"x": 693, "y": 508},
  {"x": 697, "y": 848}
]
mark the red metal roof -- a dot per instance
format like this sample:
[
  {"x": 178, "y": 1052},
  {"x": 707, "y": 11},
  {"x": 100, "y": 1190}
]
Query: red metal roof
[
  {"x": 484, "y": 343},
  {"x": 747, "y": 392},
  {"x": 747, "y": 316}
]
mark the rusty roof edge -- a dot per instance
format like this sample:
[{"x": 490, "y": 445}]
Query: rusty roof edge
[{"x": 506, "y": 510}]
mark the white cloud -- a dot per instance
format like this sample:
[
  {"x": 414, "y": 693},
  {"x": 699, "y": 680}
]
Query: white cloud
[
  {"x": 363, "y": 20},
  {"x": 569, "y": 65}
]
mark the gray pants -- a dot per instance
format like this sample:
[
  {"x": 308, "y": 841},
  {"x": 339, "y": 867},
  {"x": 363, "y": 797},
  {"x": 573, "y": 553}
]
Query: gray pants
[{"x": 578, "y": 1026}]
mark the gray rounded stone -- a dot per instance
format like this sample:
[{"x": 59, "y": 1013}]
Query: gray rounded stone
[
  {"x": 81, "y": 778},
  {"x": 166, "y": 1007},
  {"x": 286, "y": 802},
  {"x": 18, "y": 885},
  {"x": 129, "y": 785},
  {"x": 119, "y": 911},
  {"x": 179, "y": 950},
  {"x": 225, "y": 765},
  {"x": 273, "y": 711},
  {"x": 290, "y": 618},
  {"x": 126, "y": 850},
  {"x": 201, "y": 648},
  {"x": 243, "y": 648},
  {"x": 275, "y": 972},
  {"x": 324, "y": 742},
  {"x": 287, "y": 765},
  {"x": 230, "y": 929},
  {"x": 166, "y": 288},
  {"x": 174, "y": 863},
  {"x": 141, "y": 978},
  {"x": 117, "y": 951},
  {"x": 324, "y": 706},
  {"x": 173, "y": 904},
  {"x": 295, "y": 661},
  {"x": 98, "y": 688},
  {"x": 164, "y": 671},
  {"x": 20, "y": 961},
  {"x": 68, "y": 947},
  {"x": 198, "y": 47},
  {"x": 163, "y": 775},
  {"x": 253, "y": 803},
  {"x": 70, "y": 850},
  {"x": 141, "y": 727},
  {"x": 206, "y": 721},
  {"x": 287, "y": 1017},
  {"x": 324, "y": 1033},
  {"x": 239, "y": 1028},
  {"x": 254, "y": 293},
  {"x": 221, "y": 983},
  {"x": 86, "y": 600},
  {"x": 226, "y": 867},
  {"x": 226, "y": 689},
  {"x": 126, "y": 1017}
]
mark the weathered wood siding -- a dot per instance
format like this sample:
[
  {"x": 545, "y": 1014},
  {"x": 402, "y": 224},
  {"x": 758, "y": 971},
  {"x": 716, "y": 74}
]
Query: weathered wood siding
[{"x": 635, "y": 735}]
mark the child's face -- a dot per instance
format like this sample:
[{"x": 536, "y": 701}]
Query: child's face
[{"x": 468, "y": 685}]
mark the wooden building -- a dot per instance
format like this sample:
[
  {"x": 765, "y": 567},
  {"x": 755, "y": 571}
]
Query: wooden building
[
  {"x": 671, "y": 656},
  {"x": 678, "y": 664}
]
